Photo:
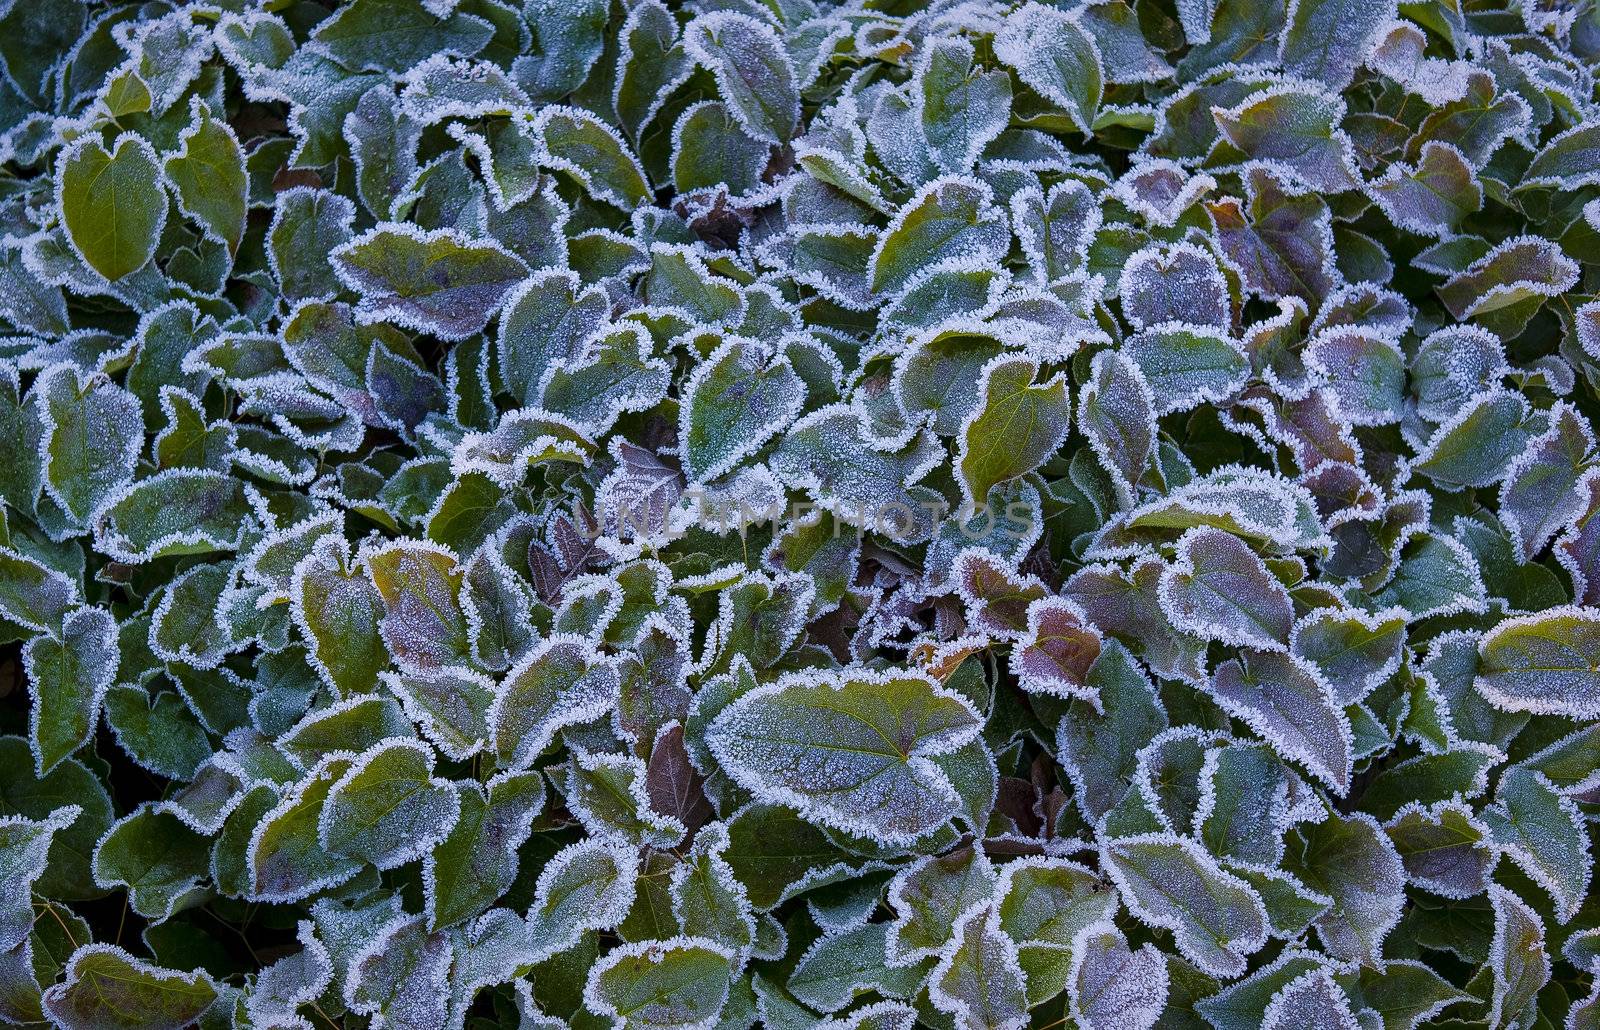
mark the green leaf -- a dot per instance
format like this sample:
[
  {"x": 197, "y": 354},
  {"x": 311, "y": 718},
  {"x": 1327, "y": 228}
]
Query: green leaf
[
  {"x": 207, "y": 173},
  {"x": 108, "y": 989},
  {"x": 285, "y": 859},
  {"x": 928, "y": 897},
  {"x": 710, "y": 148},
  {"x": 979, "y": 981},
  {"x": 651, "y": 62},
  {"x": 588, "y": 149},
  {"x": 1056, "y": 57},
  {"x": 775, "y": 853},
  {"x": 752, "y": 69},
  {"x": 1406, "y": 992},
  {"x": 828, "y": 453},
  {"x": 68, "y": 679},
  {"x": 1544, "y": 833},
  {"x": 1350, "y": 860},
  {"x": 307, "y": 226},
  {"x": 1186, "y": 365},
  {"x": 1285, "y": 701},
  {"x": 849, "y": 751},
  {"x": 1435, "y": 196},
  {"x": 963, "y": 108},
  {"x": 1518, "y": 964},
  {"x": 178, "y": 511},
  {"x": 439, "y": 282},
  {"x": 848, "y": 963},
  {"x": 1520, "y": 269},
  {"x": 1569, "y": 161},
  {"x": 112, "y": 203},
  {"x": 1540, "y": 494},
  {"x": 1099, "y": 743},
  {"x": 1330, "y": 39},
  {"x": 1220, "y": 589},
  {"x": 393, "y": 35},
  {"x": 952, "y": 218},
  {"x": 388, "y": 808},
  {"x": 659, "y": 985},
  {"x": 66, "y": 874},
  {"x": 567, "y": 40},
  {"x": 160, "y": 861},
  {"x": 1295, "y": 127},
  {"x": 34, "y": 595},
  {"x": 1116, "y": 412},
  {"x": 1247, "y": 787},
  {"x": 1544, "y": 663},
  {"x": 93, "y": 431},
  {"x": 24, "y": 848},
  {"x": 586, "y": 886},
  {"x": 1017, "y": 425},
  {"x": 560, "y": 682},
  {"x": 740, "y": 396},
  {"x": 1445, "y": 849},
  {"x": 158, "y": 731}
]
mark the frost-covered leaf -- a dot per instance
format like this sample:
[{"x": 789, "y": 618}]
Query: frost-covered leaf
[
  {"x": 928, "y": 897},
  {"x": 978, "y": 979},
  {"x": 1311, "y": 999},
  {"x": 589, "y": 150},
  {"x": 1296, "y": 128},
  {"x": 848, "y": 962},
  {"x": 586, "y": 886},
  {"x": 1286, "y": 701},
  {"x": 68, "y": 678},
  {"x": 1354, "y": 651},
  {"x": 1113, "y": 986},
  {"x": 112, "y": 204},
  {"x": 1543, "y": 663},
  {"x": 1217, "y": 920},
  {"x": 1053, "y": 54},
  {"x": 1017, "y": 425},
  {"x": 1540, "y": 494},
  {"x": 393, "y": 35},
  {"x": 1329, "y": 39},
  {"x": 952, "y": 218},
  {"x": 1517, "y": 270},
  {"x": 1544, "y": 833},
  {"x": 92, "y": 431},
  {"x": 1220, "y": 589},
  {"x": 157, "y": 859},
  {"x": 1186, "y": 365},
  {"x": 1518, "y": 964},
  {"x": 1180, "y": 283},
  {"x": 962, "y": 108},
  {"x": 753, "y": 71},
  {"x": 387, "y": 808},
  {"x": 656, "y": 985},
  {"x": 1116, "y": 412},
  {"x": 106, "y": 987},
  {"x": 1567, "y": 161},
  {"x": 24, "y": 849},
  {"x": 437, "y": 282},
  {"x": 1477, "y": 445},
  {"x": 1351, "y": 861},
  {"x": 560, "y": 682},
  {"x": 208, "y": 176},
  {"x": 1435, "y": 196},
  {"x": 739, "y": 397},
  {"x": 850, "y": 750}
]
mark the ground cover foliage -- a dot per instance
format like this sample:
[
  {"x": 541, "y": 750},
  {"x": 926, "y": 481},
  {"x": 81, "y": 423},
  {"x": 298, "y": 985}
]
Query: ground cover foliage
[{"x": 970, "y": 515}]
